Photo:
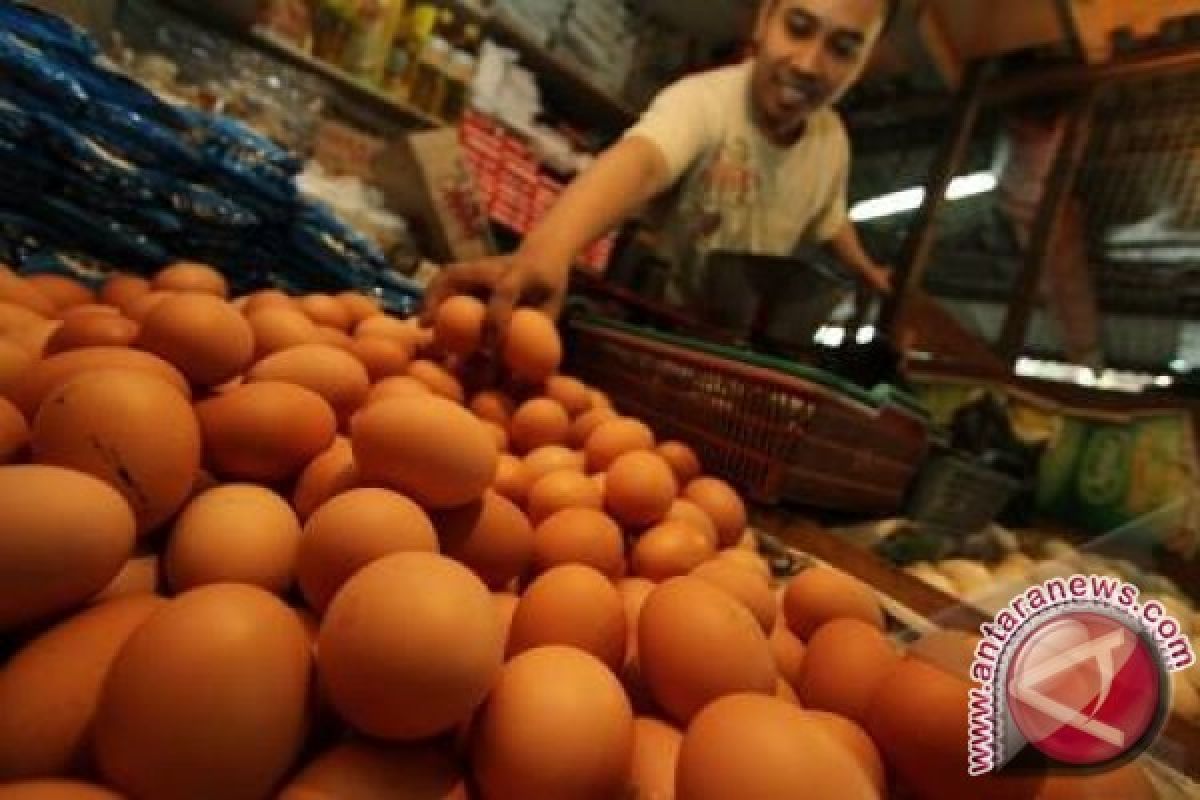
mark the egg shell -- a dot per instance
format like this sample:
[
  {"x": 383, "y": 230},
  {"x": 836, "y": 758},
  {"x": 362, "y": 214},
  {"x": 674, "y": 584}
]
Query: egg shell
[
  {"x": 670, "y": 550},
  {"x": 458, "y": 325},
  {"x": 353, "y": 530},
  {"x": 18, "y": 291},
  {"x": 266, "y": 298},
  {"x": 326, "y": 476},
  {"x": 569, "y": 393},
  {"x": 552, "y": 458},
  {"x": 139, "y": 576},
  {"x": 203, "y": 336},
  {"x": 359, "y": 306},
  {"x": 416, "y": 680},
  {"x": 325, "y": 311},
  {"x": 493, "y": 406},
  {"x": 613, "y": 439},
  {"x": 334, "y": 337},
  {"x": 162, "y": 732},
  {"x": 634, "y": 592},
  {"x": 265, "y": 432},
  {"x": 749, "y": 589},
  {"x": 723, "y": 506},
  {"x": 845, "y": 661},
  {"x": 390, "y": 327},
  {"x": 852, "y": 737},
  {"x": 696, "y": 644},
  {"x": 512, "y": 479},
  {"x": 277, "y": 329},
  {"x": 14, "y": 362},
  {"x": 639, "y": 489},
  {"x": 748, "y": 745},
  {"x": 121, "y": 289},
  {"x": 1128, "y": 782},
  {"x": 92, "y": 330},
  {"x": 656, "y": 747},
  {"x": 14, "y": 432},
  {"x": 141, "y": 307},
  {"x": 398, "y": 386},
  {"x": 332, "y": 373},
  {"x": 47, "y": 375},
  {"x": 587, "y": 422},
  {"x": 532, "y": 349},
  {"x": 584, "y": 536},
  {"x": 539, "y": 422},
  {"x": 683, "y": 460},
  {"x": 788, "y": 652},
  {"x": 97, "y": 423},
  {"x": 559, "y": 491},
  {"x": 554, "y": 706},
  {"x": 505, "y": 604},
  {"x": 427, "y": 447},
  {"x": 491, "y": 536},
  {"x": 188, "y": 276},
  {"x": 574, "y": 606},
  {"x": 382, "y": 357},
  {"x": 367, "y": 771},
  {"x": 50, "y": 689},
  {"x": 687, "y": 512},
  {"x": 62, "y": 291},
  {"x": 56, "y": 790},
  {"x": 234, "y": 534},
  {"x": 66, "y": 534},
  {"x": 821, "y": 594},
  {"x": 438, "y": 379}
]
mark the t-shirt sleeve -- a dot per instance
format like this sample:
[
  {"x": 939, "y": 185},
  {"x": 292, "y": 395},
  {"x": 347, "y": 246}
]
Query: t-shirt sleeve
[
  {"x": 834, "y": 215},
  {"x": 679, "y": 122}
]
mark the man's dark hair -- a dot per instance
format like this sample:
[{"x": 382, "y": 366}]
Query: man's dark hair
[{"x": 891, "y": 11}]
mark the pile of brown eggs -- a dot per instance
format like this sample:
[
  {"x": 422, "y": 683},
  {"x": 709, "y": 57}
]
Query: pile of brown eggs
[{"x": 292, "y": 547}]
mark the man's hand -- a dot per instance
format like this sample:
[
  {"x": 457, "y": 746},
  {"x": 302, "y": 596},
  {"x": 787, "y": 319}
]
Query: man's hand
[
  {"x": 511, "y": 281},
  {"x": 879, "y": 279}
]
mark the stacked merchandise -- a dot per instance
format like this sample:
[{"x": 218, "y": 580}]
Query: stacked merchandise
[
  {"x": 602, "y": 38},
  {"x": 540, "y": 20},
  {"x": 98, "y": 166}
]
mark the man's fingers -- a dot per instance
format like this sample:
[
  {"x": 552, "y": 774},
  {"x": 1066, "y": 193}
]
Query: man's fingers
[
  {"x": 459, "y": 278},
  {"x": 505, "y": 296}
]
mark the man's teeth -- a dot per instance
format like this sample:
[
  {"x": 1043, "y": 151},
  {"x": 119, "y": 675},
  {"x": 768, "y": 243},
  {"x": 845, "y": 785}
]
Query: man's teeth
[{"x": 794, "y": 96}]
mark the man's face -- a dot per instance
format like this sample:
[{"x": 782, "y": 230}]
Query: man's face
[{"x": 810, "y": 52}]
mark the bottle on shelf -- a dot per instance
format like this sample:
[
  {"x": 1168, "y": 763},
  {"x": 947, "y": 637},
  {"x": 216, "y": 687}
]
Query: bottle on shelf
[
  {"x": 460, "y": 73},
  {"x": 429, "y": 86},
  {"x": 369, "y": 47},
  {"x": 422, "y": 23}
]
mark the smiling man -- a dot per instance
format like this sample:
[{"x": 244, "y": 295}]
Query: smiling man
[{"x": 750, "y": 158}]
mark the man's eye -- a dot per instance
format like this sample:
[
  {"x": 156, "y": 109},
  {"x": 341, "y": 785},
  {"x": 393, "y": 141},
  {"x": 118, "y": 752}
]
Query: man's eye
[
  {"x": 801, "y": 25},
  {"x": 846, "y": 51}
]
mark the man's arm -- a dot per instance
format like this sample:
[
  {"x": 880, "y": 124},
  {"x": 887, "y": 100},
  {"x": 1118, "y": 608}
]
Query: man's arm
[{"x": 847, "y": 246}]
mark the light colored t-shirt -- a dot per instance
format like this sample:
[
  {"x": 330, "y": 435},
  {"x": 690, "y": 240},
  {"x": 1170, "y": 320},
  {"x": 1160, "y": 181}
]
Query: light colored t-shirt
[{"x": 733, "y": 188}]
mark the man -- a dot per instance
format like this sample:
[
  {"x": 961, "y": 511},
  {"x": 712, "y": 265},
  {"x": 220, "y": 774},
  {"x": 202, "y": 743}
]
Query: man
[{"x": 749, "y": 158}]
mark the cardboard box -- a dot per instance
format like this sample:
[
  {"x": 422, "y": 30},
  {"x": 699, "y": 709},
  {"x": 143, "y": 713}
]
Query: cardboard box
[{"x": 425, "y": 178}]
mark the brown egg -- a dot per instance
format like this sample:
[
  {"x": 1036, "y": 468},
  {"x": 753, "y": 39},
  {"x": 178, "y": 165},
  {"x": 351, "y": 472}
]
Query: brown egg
[
  {"x": 63, "y": 292},
  {"x": 131, "y": 430},
  {"x": 533, "y": 350},
  {"x": 359, "y": 306},
  {"x": 655, "y": 756},
  {"x": 697, "y": 644},
  {"x": 50, "y": 688},
  {"x": 569, "y": 393},
  {"x": 334, "y": 337},
  {"x": 746, "y": 560},
  {"x": 18, "y": 291},
  {"x": 266, "y": 298},
  {"x": 583, "y": 426},
  {"x": 580, "y": 536},
  {"x": 424, "y": 677},
  {"x": 437, "y": 379},
  {"x": 191, "y": 277},
  {"x": 493, "y": 406},
  {"x": 559, "y": 491},
  {"x": 613, "y": 439},
  {"x": 427, "y": 447},
  {"x": 15, "y": 361},
  {"x": 399, "y": 386},
  {"x": 89, "y": 309},
  {"x": 540, "y": 422},
  {"x": 747, "y": 745},
  {"x": 683, "y": 460},
  {"x": 265, "y": 432},
  {"x": 544, "y": 460},
  {"x": 332, "y": 373},
  {"x": 121, "y": 289},
  {"x": 844, "y": 664},
  {"x": 820, "y": 594},
  {"x": 918, "y": 720},
  {"x": 512, "y": 479},
  {"x": 382, "y": 357},
  {"x": 366, "y": 771},
  {"x": 325, "y": 311},
  {"x": 327, "y": 475},
  {"x": 162, "y": 732},
  {"x": 491, "y": 536},
  {"x": 205, "y": 337},
  {"x": 723, "y": 506},
  {"x": 14, "y": 432},
  {"x": 500, "y": 435},
  {"x": 785, "y": 692},
  {"x": 139, "y": 576},
  {"x": 389, "y": 327},
  {"x": 670, "y": 550},
  {"x": 56, "y": 790},
  {"x": 634, "y": 592},
  {"x": 92, "y": 330},
  {"x": 751, "y": 590},
  {"x": 139, "y": 308},
  {"x": 45, "y": 376},
  {"x": 506, "y": 607},
  {"x": 458, "y": 325},
  {"x": 554, "y": 706},
  {"x": 278, "y": 329},
  {"x": 852, "y": 737},
  {"x": 575, "y": 606},
  {"x": 1124, "y": 783},
  {"x": 687, "y": 512},
  {"x": 24, "y": 328},
  {"x": 788, "y": 652},
  {"x": 353, "y": 530},
  {"x": 639, "y": 489},
  {"x": 234, "y": 534}
]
